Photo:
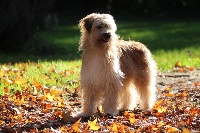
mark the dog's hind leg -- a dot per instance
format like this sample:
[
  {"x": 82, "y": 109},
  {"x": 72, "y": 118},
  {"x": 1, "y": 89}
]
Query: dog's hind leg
[
  {"x": 128, "y": 96},
  {"x": 145, "y": 85}
]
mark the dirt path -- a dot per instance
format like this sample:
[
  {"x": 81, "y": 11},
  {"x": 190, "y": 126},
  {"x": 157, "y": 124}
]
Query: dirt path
[{"x": 181, "y": 81}]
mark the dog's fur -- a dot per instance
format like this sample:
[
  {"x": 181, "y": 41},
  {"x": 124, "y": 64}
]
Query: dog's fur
[{"x": 114, "y": 73}]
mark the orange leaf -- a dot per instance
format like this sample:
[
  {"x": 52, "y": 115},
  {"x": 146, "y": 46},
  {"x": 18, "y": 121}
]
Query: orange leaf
[
  {"x": 191, "y": 68},
  {"x": 52, "y": 70},
  {"x": 177, "y": 64},
  {"x": 159, "y": 103},
  {"x": 184, "y": 94},
  {"x": 196, "y": 84},
  {"x": 69, "y": 72},
  {"x": 75, "y": 126},
  {"x": 6, "y": 89},
  {"x": 168, "y": 88},
  {"x": 114, "y": 127},
  {"x": 47, "y": 106},
  {"x": 121, "y": 128},
  {"x": 38, "y": 85},
  {"x": 168, "y": 94},
  {"x": 92, "y": 125}
]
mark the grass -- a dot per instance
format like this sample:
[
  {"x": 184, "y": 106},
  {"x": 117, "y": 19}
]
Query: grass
[{"x": 169, "y": 41}]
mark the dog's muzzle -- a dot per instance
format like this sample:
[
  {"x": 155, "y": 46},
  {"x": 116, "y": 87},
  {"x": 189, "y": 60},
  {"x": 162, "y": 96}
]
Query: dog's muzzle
[{"x": 105, "y": 37}]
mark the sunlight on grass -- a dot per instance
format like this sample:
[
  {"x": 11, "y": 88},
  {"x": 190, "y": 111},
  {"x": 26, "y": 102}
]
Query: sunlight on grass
[
  {"x": 62, "y": 74},
  {"x": 186, "y": 57},
  {"x": 169, "y": 40}
]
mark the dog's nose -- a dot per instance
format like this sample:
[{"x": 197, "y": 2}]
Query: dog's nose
[{"x": 107, "y": 35}]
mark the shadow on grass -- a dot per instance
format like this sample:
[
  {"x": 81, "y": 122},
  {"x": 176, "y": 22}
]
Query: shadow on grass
[{"x": 157, "y": 34}]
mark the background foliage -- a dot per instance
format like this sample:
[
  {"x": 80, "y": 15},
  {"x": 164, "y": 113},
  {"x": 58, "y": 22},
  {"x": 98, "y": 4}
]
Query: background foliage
[{"x": 20, "y": 19}]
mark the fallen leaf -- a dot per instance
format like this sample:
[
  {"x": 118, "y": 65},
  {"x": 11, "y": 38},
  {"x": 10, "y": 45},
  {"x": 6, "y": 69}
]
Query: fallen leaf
[
  {"x": 177, "y": 64},
  {"x": 168, "y": 94},
  {"x": 132, "y": 118},
  {"x": 113, "y": 127},
  {"x": 75, "y": 126},
  {"x": 185, "y": 130},
  {"x": 92, "y": 125}
]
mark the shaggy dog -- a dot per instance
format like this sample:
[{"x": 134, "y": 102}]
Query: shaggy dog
[{"x": 114, "y": 73}]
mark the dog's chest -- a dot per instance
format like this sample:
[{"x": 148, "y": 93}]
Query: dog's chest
[{"x": 96, "y": 69}]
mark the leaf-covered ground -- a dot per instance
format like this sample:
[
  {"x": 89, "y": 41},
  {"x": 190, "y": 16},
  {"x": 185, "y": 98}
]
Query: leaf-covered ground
[{"x": 38, "y": 108}]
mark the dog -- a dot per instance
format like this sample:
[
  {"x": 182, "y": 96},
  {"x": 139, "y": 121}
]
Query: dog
[{"x": 115, "y": 73}]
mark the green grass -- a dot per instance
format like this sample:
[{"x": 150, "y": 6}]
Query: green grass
[{"x": 169, "y": 40}]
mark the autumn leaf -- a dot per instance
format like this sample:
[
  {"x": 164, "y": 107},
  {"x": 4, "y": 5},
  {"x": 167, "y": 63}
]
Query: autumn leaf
[
  {"x": 113, "y": 127},
  {"x": 191, "y": 68},
  {"x": 169, "y": 88},
  {"x": 132, "y": 118},
  {"x": 168, "y": 94},
  {"x": 185, "y": 130},
  {"x": 92, "y": 125},
  {"x": 100, "y": 109},
  {"x": 184, "y": 94},
  {"x": 196, "y": 84},
  {"x": 69, "y": 72},
  {"x": 171, "y": 129},
  {"x": 49, "y": 97},
  {"x": 19, "y": 81},
  {"x": 177, "y": 64},
  {"x": 161, "y": 123},
  {"x": 161, "y": 109},
  {"x": 75, "y": 126}
]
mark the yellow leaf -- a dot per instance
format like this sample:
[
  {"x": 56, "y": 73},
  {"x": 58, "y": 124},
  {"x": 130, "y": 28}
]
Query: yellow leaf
[
  {"x": 185, "y": 130},
  {"x": 132, "y": 118},
  {"x": 172, "y": 130},
  {"x": 50, "y": 97},
  {"x": 93, "y": 125},
  {"x": 126, "y": 113},
  {"x": 168, "y": 88},
  {"x": 161, "y": 109},
  {"x": 161, "y": 123},
  {"x": 158, "y": 103},
  {"x": 100, "y": 109},
  {"x": 19, "y": 81}
]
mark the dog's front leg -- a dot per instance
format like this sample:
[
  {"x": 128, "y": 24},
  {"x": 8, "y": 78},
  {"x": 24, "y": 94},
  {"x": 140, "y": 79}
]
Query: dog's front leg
[{"x": 111, "y": 97}]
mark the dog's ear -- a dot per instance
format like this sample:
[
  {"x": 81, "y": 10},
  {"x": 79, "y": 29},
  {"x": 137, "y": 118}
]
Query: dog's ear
[{"x": 87, "y": 23}]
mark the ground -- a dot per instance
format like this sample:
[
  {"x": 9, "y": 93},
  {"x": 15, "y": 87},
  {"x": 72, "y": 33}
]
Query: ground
[
  {"x": 177, "y": 108},
  {"x": 181, "y": 81}
]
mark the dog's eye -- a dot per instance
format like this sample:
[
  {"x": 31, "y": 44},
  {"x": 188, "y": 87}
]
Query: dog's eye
[{"x": 99, "y": 26}]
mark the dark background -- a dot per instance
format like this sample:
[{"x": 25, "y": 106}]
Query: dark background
[{"x": 20, "y": 19}]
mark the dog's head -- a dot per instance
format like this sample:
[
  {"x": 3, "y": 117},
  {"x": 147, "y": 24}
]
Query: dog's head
[{"x": 100, "y": 28}]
